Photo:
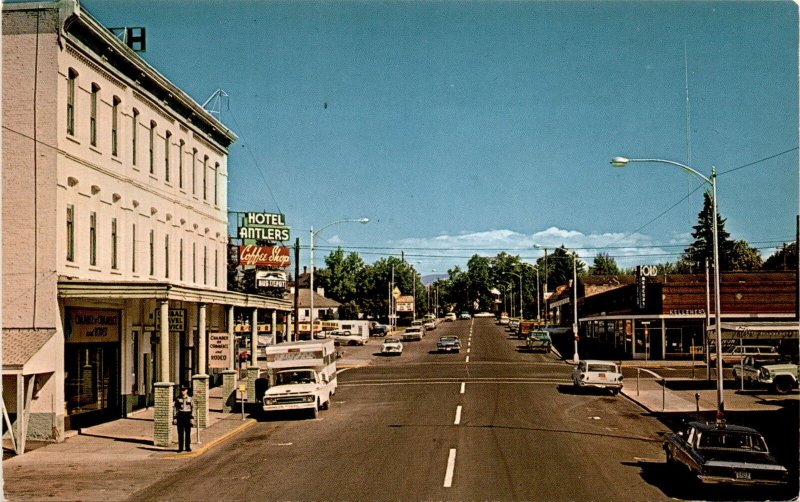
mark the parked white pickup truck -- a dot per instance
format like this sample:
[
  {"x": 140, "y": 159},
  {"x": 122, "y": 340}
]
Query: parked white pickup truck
[{"x": 303, "y": 376}]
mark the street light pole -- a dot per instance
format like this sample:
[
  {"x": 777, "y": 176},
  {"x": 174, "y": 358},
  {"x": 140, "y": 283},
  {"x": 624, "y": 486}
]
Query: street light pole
[
  {"x": 712, "y": 180},
  {"x": 311, "y": 264},
  {"x": 575, "y": 358}
]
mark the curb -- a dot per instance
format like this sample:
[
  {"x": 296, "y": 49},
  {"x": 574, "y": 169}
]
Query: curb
[{"x": 199, "y": 451}]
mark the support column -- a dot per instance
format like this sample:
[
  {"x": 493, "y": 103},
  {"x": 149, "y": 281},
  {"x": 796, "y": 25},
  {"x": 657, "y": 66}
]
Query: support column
[
  {"x": 231, "y": 340},
  {"x": 162, "y": 414},
  {"x": 253, "y": 370},
  {"x": 274, "y": 326},
  {"x": 228, "y": 390},
  {"x": 200, "y": 380}
]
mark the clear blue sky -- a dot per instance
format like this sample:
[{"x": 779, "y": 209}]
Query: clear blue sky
[{"x": 457, "y": 126}]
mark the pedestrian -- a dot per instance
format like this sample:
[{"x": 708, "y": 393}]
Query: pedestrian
[{"x": 183, "y": 417}]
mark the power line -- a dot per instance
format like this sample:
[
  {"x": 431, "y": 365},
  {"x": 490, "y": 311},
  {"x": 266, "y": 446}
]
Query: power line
[{"x": 757, "y": 161}]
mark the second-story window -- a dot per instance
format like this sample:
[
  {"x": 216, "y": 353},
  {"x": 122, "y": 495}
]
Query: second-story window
[
  {"x": 194, "y": 171},
  {"x": 92, "y": 238},
  {"x": 167, "y": 140},
  {"x": 216, "y": 184},
  {"x": 93, "y": 115},
  {"x": 180, "y": 163},
  {"x": 205, "y": 177},
  {"x": 152, "y": 252},
  {"x": 134, "y": 128},
  {"x": 205, "y": 264},
  {"x": 114, "y": 243},
  {"x": 152, "y": 147},
  {"x": 72, "y": 77},
  {"x": 133, "y": 248},
  {"x": 166, "y": 256},
  {"x": 194, "y": 262},
  {"x": 216, "y": 267},
  {"x": 70, "y": 232},
  {"x": 180, "y": 261},
  {"x": 114, "y": 126}
]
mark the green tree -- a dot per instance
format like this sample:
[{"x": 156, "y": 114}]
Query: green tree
[
  {"x": 744, "y": 257},
  {"x": 342, "y": 276},
  {"x": 785, "y": 258},
  {"x": 604, "y": 265},
  {"x": 693, "y": 259},
  {"x": 559, "y": 267}
]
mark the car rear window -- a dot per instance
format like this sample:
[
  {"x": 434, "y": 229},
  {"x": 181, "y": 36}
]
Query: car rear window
[
  {"x": 602, "y": 367},
  {"x": 738, "y": 441}
]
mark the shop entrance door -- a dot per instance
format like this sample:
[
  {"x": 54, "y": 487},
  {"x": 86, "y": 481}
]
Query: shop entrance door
[{"x": 91, "y": 384}]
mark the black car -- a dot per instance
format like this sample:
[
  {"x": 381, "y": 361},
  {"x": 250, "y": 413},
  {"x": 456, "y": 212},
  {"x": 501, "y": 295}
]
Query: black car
[
  {"x": 379, "y": 330},
  {"x": 721, "y": 453}
]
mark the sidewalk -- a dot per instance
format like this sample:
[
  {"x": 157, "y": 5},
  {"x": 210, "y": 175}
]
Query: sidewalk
[
  {"x": 677, "y": 395},
  {"x": 111, "y": 461}
]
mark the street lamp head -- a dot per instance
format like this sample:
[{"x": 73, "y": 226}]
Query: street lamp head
[
  {"x": 364, "y": 221},
  {"x": 619, "y": 161}
]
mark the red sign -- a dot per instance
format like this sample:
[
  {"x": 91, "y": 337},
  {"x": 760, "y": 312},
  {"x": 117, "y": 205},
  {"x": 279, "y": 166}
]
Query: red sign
[{"x": 264, "y": 256}]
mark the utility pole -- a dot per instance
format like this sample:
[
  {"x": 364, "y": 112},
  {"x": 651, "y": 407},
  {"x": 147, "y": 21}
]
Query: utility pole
[{"x": 296, "y": 289}]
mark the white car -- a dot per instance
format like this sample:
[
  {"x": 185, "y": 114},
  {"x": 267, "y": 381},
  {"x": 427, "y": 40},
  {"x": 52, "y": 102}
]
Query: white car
[
  {"x": 504, "y": 319},
  {"x": 598, "y": 374},
  {"x": 392, "y": 345},
  {"x": 429, "y": 324},
  {"x": 346, "y": 338},
  {"x": 464, "y": 315},
  {"x": 413, "y": 333},
  {"x": 450, "y": 316}
]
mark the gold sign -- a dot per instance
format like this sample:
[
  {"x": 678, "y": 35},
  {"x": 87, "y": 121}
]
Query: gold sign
[{"x": 92, "y": 326}]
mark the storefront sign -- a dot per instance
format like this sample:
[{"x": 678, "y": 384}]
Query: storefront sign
[
  {"x": 176, "y": 317},
  {"x": 219, "y": 350},
  {"x": 270, "y": 279},
  {"x": 687, "y": 311},
  {"x": 264, "y": 226},
  {"x": 405, "y": 304},
  {"x": 642, "y": 273},
  {"x": 264, "y": 256},
  {"x": 92, "y": 326}
]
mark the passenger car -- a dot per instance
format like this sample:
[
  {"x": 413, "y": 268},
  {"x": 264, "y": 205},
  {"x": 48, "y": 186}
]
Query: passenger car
[
  {"x": 429, "y": 324},
  {"x": 598, "y": 374},
  {"x": 721, "y": 453},
  {"x": 781, "y": 377},
  {"x": 504, "y": 319},
  {"x": 450, "y": 316},
  {"x": 413, "y": 333},
  {"x": 392, "y": 345},
  {"x": 539, "y": 340},
  {"x": 464, "y": 315},
  {"x": 760, "y": 353},
  {"x": 346, "y": 338},
  {"x": 448, "y": 344},
  {"x": 513, "y": 324},
  {"x": 379, "y": 330}
]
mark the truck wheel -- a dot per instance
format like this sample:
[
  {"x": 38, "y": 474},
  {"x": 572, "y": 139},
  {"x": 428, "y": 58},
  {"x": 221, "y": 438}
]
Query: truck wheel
[
  {"x": 327, "y": 404},
  {"x": 783, "y": 385},
  {"x": 315, "y": 411}
]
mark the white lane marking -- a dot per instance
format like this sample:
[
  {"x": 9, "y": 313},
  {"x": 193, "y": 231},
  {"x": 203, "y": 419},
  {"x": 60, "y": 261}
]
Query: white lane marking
[
  {"x": 468, "y": 349},
  {"x": 458, "y": 415},
  {"x": 467, "y": 359},
  {"x": 463, "y": 385},
  {"x": 451, "y": 464}
]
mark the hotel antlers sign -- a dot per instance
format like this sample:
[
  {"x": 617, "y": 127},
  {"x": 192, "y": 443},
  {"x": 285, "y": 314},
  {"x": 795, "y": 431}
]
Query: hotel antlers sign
[{"x": 264, "y": 256}]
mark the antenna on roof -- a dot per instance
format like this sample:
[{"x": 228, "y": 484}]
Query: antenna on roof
[
  {"x": 216, "y": 103},
  {"x": 133, "y": 37}
]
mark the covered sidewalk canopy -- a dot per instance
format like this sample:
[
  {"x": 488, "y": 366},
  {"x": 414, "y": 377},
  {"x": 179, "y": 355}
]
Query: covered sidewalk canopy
[
  {"x": 69, "y": 289},
  {"x": 27, "y": 353},
  {"x": 778, "y": 330}
]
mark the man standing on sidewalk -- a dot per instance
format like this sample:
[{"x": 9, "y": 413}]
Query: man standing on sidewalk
[{"x": 182, "y": 416}]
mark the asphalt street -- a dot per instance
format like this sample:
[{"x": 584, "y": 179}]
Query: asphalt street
[{"x": 492, "y": 422}]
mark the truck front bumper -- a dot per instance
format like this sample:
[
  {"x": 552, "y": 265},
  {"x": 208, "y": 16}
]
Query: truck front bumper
[{"x": 287, "y": 407}]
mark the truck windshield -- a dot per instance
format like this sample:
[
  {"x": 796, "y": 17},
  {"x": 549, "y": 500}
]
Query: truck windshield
[{"x": 294, "y": 377}]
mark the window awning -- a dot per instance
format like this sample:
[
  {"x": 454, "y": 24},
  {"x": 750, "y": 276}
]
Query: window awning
[
  {"x": 29, "y": 351},
  {"x": 779, "y": 330}
]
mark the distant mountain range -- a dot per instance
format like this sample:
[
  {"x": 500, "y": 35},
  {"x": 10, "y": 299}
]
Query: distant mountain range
[{"x": 430, "y": 279}]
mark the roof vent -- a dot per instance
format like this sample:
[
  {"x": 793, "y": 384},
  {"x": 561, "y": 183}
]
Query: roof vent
[{"x": 133, "y": 37}]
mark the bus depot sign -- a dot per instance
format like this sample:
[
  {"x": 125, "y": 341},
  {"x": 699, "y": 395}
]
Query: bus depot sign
[
  {"x": 264, "y": 226},
  {"x": 264, "y": 256},
  {"x": 270, "y": 279}
]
